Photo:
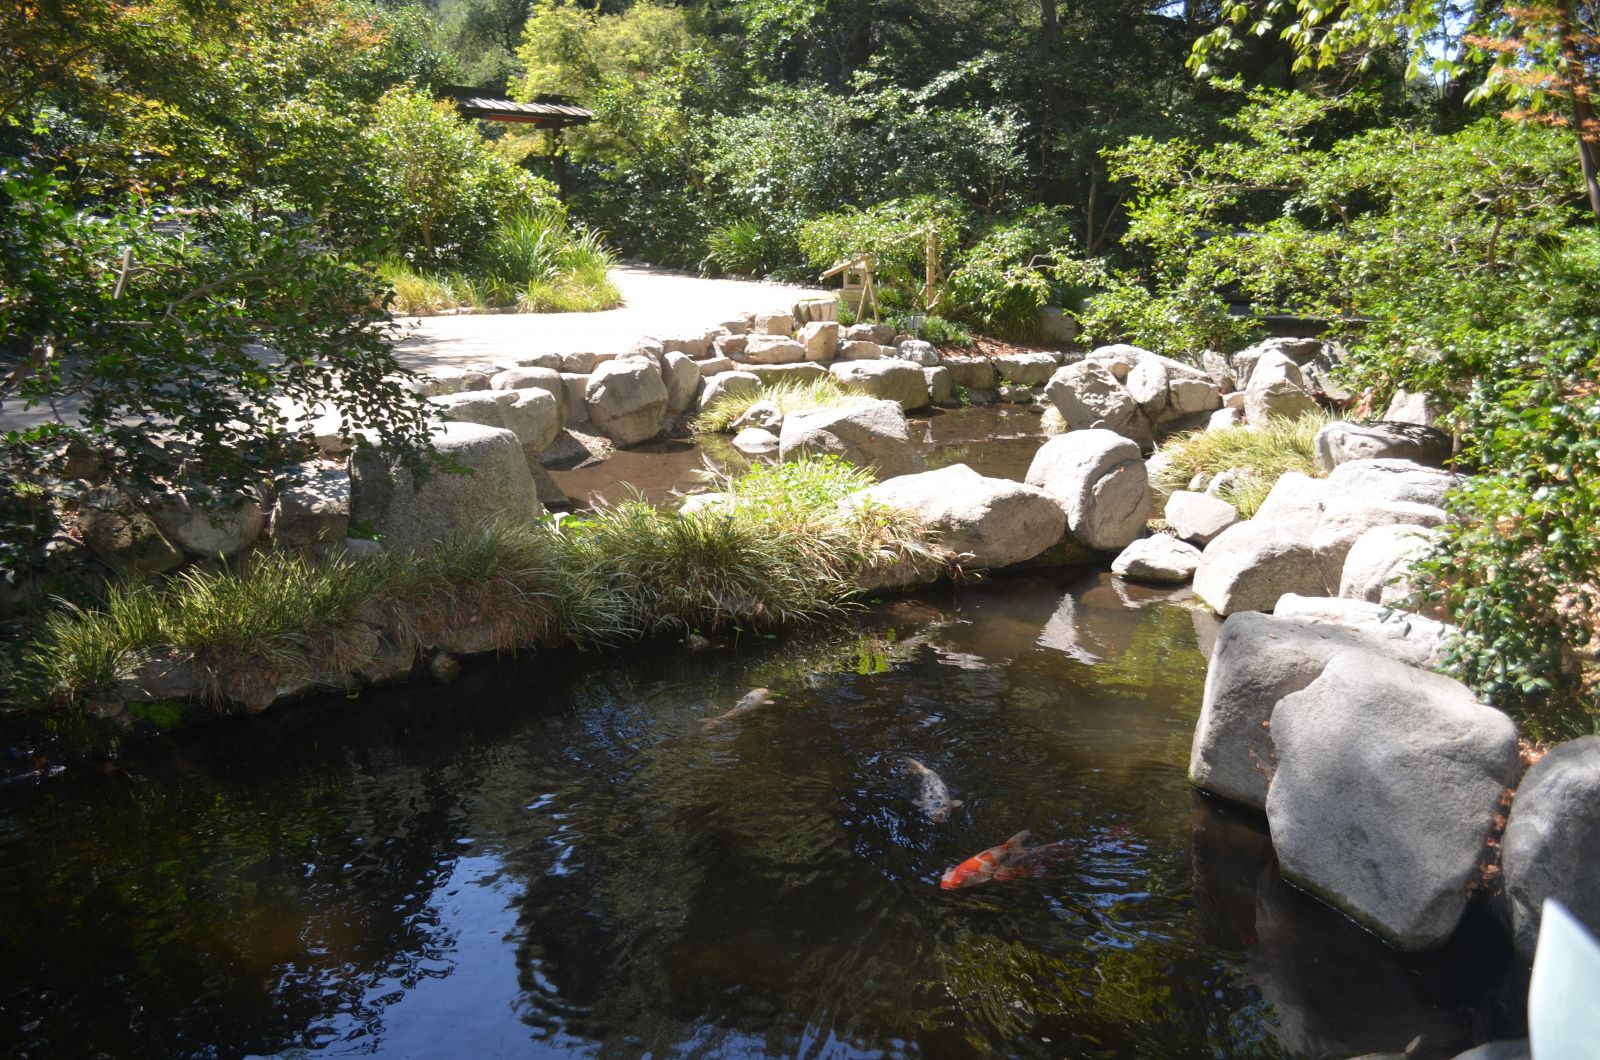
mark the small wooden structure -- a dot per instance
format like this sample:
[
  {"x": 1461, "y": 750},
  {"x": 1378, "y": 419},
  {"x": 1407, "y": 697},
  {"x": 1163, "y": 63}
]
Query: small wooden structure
[
  {"x": 858, "y": 289},
  {"x": 547, "y": 112}
]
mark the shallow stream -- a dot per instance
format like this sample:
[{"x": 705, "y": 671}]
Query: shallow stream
[{"x": 551, "y": 855}]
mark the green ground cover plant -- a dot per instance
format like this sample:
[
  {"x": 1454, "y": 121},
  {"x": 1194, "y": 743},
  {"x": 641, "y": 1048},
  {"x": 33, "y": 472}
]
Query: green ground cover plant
[
  {"x": 718, "y": 417},
  {"x": 1260, "y": 454},
  {"x": 782, "y": 551}
]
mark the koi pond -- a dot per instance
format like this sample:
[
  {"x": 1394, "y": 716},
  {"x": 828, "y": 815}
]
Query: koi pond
[{"x": 560, "y": 855}]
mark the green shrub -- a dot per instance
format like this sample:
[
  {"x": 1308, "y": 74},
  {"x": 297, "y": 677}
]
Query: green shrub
[
  {"x": 1261, "y": 454},
  {"x": 1001, "y": 281},
  {"x": 895, "y": 234},
  {"x": 743, "y": 247}
]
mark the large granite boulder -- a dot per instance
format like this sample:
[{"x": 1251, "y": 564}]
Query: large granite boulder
[
  {"x": 881, "y": 334},
  {"x": 1250, "y": 564},
  {"x": 1278, "y": 398},
  {"x": 576, "y": 387},
  {"x": 775, "y": 322},
  {"x": 729, "y": 384},
  {"x": 1160, "y": 559},
  {"x": 1391, "y": 480},
  {"x": 1388, "y": 782},
  {"x": 683, "y": 380},
  {"x": 1377, "y": 566},
  {"x": 763, "y": 414},
  {"x": 773, "y": 349},
  {"x": 892, "y": 380},
  {"x": 941, "y": 388},
  {"x": 1089, "y": 396},
  {"x": 972, "y": 371},
  {"x": 874, "y": 435},
  {"x": 1099, "y": 478},
  {"x": 1410, "y": 638},
  {"x": 626, "y": 399},
  {"x": 123, "y": 537},
  {"x": 1346, "y": 517},
  {"x": 315, "y": 510},
  {"x": 988, "y": 522},
  {"x": 1342, "y": 441},
  {"x": 494, "y": 483},
  {"x": 210, "y": 529},
  {"x": 534, "y": 378},
  {"x": 923, "y": 354},
  {"x": 1551, "y": 848},
  {"x": 1257, "y": 660},
  {"x": 1197, "y": 518},
  {"x": 1417, "y": 407},
  {"x": 1026, "y": 369},
  {"x": 820, "y": 338}
]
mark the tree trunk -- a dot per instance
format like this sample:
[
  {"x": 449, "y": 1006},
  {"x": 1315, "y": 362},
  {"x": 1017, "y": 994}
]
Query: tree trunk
[
  {"x": 1584, "y": 123},
  {"x": 1050, "y": 125}
]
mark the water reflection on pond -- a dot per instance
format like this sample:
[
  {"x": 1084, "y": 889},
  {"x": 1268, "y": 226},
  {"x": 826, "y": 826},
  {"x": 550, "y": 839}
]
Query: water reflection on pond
[
  {"x": 549, "y": 856},
  {"x": 998, "y": 440}
]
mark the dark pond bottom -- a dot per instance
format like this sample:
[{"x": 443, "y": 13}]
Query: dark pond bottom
[
  {"x": 998, "y": 441},
  {"x": 553, "y": 855}
]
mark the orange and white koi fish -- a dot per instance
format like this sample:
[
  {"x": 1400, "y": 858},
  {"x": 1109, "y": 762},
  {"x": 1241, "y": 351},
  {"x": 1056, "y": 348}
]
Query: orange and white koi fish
[
  {"x": 933, "y": 797},
  {"x": 750, "y": 701},
  {"x": 1009, "y": 861}
]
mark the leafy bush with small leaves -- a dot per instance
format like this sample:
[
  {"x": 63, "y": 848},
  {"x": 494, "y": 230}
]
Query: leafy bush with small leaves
[
  {"x": 1001, "y": 281},
  {"x": 895, "y": 233}
]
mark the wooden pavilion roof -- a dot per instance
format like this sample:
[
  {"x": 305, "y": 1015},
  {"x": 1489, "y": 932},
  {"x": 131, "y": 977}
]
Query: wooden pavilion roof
[{"x": 551, "y": 112}]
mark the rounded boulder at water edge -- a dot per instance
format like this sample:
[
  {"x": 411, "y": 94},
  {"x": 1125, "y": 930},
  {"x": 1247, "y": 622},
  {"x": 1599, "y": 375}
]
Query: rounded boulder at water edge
[
  {"x": 1160, "y": 559},
  {"x": 1551, "y": 848},
  {"x": 873, "y": 435},
  {"x": 1099, "y": 479},
  {"x": 990, "y": 522}
]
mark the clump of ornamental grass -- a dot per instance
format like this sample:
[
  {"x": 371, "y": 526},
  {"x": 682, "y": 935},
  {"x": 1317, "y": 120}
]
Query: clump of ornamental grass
[
  {"x": 825, "y": 393},
  {"x": 782, "y": 550},
  {"x": 515, "y": 584},
  {"x": 1258, "y": 454}
]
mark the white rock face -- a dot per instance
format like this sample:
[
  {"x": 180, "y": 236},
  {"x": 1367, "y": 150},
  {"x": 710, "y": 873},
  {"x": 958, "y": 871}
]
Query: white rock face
[
  {"x": 692, "y": 345},
  {"x": 1026, "y": 369},
  {"x": 1258, "y": 659},
  {"x": 626, "y": 400},
  {"x": 1341, "y": 442},
  {"x": 990, "y": 522},
  {"x": 941, "y": 389},
  {"x": 821, "y": 340},
  {"x": 1296, "y": 499},
  {"x": 1225, "y": 419},
  {"x": 1388, "y": 781},
  {"x": 729, "y": 384},
  {"x": 1160, "y": 559},
  {"x": 683, "y": 380},
  {"x": 1379, "y": 562},
  {"x": 874, "y": 435},
  {"x": 1551, "y": 847},
  {"x": 1198, "y": 519},
  {"x": 1089, "y": 397},
  {"x": 1250, "y": 564},
  {"x": 315, "y": 511},
  {"x": 1099, "y": 479},
  {"x": 755, "y": 441},
  {"x": 208, "y": 530},
  {"x": 860, "y": 350},
  {"x": 892, "y": 380},
  {"x": 1118, "y": 358},
  {"x": 497, "y": 485},
  {"x": 773, "y": 349},
  {"x": 716, "y": 365}
]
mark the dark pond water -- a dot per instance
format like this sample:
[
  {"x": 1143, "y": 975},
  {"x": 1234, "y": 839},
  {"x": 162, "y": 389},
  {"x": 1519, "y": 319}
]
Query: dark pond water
[
  {"x": 999, "y": 440},
  {"x": 550, "y": 856}
]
